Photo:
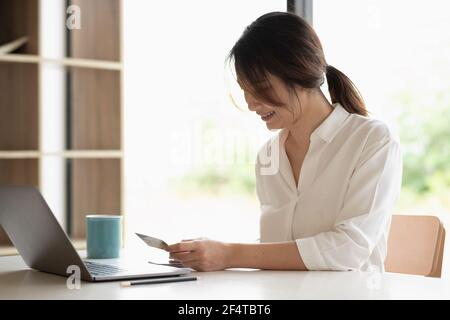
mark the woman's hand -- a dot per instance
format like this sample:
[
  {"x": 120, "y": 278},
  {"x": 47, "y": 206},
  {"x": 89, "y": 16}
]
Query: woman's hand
[{"x": 201, "y": 254}]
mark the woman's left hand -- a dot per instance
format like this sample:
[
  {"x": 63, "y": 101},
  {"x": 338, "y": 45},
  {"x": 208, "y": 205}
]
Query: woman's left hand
[{"x": 201, "y": 254}]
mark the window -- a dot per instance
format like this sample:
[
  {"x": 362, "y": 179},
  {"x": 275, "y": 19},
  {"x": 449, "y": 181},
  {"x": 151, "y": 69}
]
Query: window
[{"x": 189, "y": 153}]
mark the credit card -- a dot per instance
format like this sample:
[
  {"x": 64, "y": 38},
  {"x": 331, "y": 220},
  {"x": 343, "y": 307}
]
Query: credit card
[{"x": 153, "y": 242}]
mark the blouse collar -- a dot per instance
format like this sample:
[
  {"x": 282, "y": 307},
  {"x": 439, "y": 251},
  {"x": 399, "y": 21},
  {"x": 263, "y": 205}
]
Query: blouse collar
[{"x": 328, "y": 129}]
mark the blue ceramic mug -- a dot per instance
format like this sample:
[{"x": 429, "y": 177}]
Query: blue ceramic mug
[{"x": 104, "y": 236}]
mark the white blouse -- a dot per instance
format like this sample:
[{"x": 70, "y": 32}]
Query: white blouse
[{"x": 340, "y": 212}]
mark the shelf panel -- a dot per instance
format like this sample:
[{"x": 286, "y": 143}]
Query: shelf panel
[
  {"x": 7, "y": 250},
  {"x": 4, "y": 239},
  {"x": 19, "y": 18},
  {"x": 68, "y": 62},
  {"x": 95, "y": 188},
  {"x": 100, "y": 20},
  {"x": 19, "y": 105},
  {"x": 89, "y": 154},
  {"x": 13, "y": 45},
  {"x": 95, "y": 110},
  {"x": 17, "y": 172},
  {"x": 19, "y": 154}
]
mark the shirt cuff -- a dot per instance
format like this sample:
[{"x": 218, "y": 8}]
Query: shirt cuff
[{"x": 310, "y": 254}]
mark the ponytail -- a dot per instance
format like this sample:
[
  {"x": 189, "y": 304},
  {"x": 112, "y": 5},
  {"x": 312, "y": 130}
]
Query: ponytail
[{"x": 344, "y": 91}]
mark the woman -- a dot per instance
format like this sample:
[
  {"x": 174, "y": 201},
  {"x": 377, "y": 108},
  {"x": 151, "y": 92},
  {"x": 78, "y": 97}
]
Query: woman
[{"x": 335, "y": 175}]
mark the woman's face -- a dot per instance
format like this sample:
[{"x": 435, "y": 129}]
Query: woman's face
[{"x": 276, "y": 117}]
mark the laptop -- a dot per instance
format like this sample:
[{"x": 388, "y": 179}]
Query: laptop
[{"x": 44, "y": 246}]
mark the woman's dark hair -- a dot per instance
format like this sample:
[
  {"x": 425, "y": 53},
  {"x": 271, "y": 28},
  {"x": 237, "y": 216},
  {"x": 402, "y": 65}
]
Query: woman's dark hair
[{"x": 286, "y": 46}]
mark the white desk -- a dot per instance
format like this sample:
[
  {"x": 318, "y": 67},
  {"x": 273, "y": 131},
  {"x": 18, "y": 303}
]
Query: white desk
[{"x": 19, "y": 282}]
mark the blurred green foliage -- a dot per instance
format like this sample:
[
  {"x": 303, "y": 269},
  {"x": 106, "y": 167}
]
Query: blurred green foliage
[
  {"x": 237, "y": 176},
  {"x": 425, "y": 137},
  {"x": 218, "y": 180}
]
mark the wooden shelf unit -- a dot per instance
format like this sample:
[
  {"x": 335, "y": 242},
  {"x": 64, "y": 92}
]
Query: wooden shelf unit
[{"x": 93, "y": 115}]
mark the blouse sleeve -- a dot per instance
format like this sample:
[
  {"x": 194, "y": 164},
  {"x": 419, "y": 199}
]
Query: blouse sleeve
[{"x": 370, "y": 198}]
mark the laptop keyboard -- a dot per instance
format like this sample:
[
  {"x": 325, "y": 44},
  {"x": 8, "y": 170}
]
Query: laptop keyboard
[{"x": 99, "y": 269}]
